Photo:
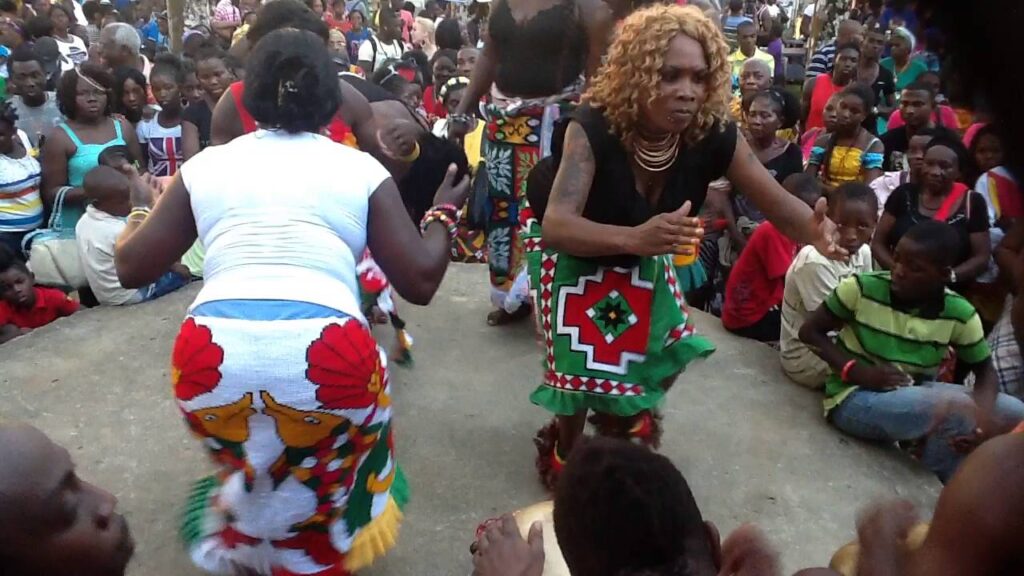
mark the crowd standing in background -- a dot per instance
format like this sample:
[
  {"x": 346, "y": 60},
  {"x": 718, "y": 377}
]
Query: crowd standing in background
[{"x": 614, "y": 165}]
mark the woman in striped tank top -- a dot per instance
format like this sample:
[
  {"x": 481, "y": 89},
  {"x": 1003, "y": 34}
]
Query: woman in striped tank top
[{"x": 21, "y": 208}]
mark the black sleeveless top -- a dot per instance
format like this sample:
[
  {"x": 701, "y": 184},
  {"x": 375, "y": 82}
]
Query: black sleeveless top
[
  {"x": 541, "y": 56},
  {"x": 613, "y": 197}
]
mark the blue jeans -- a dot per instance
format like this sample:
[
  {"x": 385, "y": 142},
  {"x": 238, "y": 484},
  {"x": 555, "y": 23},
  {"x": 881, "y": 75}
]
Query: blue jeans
[
  {"x": 164, "y": 285},
  {"x": 935, "y": 411}
]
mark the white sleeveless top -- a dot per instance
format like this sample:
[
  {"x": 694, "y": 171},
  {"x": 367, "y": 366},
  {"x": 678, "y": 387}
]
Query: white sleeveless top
[{"x": 282, "y": 217}]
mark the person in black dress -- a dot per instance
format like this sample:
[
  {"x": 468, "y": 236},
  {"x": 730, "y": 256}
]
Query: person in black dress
[
  {"x": 939, "y": 196},
  {"x": 611, "y": 208},
  {"x": 881, "y": 80},
  {"x": 214, "y": 77},
  {"x": 536, "y": 56},
  {"x": 765, "y": 114}
]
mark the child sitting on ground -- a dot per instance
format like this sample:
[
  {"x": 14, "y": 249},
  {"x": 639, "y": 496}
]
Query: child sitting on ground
[
  {"x": 753, "y": 293},
  {"x": 24, "y": 306},
  {"x": 894, "y": 330},
  {"x": 97, "y": 232},
  {"x": 812, "y": 277},
  {"x": 52, "y": 522},
  {"x": 621, "y": 509}
]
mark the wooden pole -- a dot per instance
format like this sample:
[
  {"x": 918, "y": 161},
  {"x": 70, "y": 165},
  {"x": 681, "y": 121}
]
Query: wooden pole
[{"x": 175, "y": 24}]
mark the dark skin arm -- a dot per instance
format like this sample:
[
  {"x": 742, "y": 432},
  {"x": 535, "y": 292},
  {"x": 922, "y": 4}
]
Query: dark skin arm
[
  {"x": 225, "y": 125},
  {"x": 880, "y": 241},
  {"x": 131, "y": 141},
  {"x": 816, "y": 334},
  {"x": 1008, "y": 255},
  {"x": 788, "y": 213},
  {"x": 56, "y": 151},
  {"x": 977, "y": 263},
  {"x": 599, "y": 24},
  {"x": 978, "y": 523},
  {"x": 9, "y": 332},
  {"x": 805, "y": 101},
  {"x": 414, "y": 264},
  {"x": 871, "y": 174},
  {"x": 887, "y": 105},
  {"x": 189, "y": 140},
  {"x": 814, "y": 169},
  {"x": 145, "y": 251}
]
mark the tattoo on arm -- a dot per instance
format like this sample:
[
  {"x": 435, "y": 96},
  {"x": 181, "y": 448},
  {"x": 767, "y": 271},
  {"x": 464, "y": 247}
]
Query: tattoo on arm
[{"x": 575, "y": 173}]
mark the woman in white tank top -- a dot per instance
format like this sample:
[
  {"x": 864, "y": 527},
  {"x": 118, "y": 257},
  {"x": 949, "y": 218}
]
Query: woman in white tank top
[{"x": 275, "y": 368}]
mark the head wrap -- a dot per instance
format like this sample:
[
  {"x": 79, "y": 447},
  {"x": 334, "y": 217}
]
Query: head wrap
[
  {"x": 456, "y": 83},
  {"x": 907, "y": 34}
]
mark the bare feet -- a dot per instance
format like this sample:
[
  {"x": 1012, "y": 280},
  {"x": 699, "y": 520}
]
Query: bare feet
[{"x": 501, "y": 317}]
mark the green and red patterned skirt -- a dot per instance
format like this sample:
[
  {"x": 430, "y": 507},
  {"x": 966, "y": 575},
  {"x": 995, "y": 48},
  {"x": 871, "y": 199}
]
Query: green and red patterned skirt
[{"x": 613, "y": 337}]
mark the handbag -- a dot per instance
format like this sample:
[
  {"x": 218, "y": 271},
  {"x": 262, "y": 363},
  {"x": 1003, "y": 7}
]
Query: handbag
[
  {"x": 477, "y": 205},
  {"x": 52, "y": 252}
]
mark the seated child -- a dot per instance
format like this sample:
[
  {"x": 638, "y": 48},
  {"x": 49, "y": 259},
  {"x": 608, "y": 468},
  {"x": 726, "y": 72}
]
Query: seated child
[
  {"x": 24, "y": 306},
  {"x": 51, "y": 521},
  {"x": 753, "y": 293},
  {"x": 894, "y": 331},
  {"x": 608, "y": 485},
  {"x": 812, "y": 277},
  {"x": 97, "y": 232},
  {"x": 117, "y": 157}
]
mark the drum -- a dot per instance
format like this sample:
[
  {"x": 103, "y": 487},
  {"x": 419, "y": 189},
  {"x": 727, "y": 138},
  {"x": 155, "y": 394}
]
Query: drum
[{"x": 543, "y": 512}]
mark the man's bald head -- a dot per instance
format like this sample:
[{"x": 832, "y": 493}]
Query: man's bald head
[
  {"x": 52, "y": 522},
  {"x": 849, "y": 31}
]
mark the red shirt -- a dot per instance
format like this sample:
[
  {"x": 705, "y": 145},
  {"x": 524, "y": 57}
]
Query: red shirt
[
  {"x": 50, "y": 305},
  {"x": 434, "y": 107},
  {"x": 758, "y": 279}
]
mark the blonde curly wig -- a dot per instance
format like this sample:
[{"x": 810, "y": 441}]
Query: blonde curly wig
[{"x": 629, "y": 77}]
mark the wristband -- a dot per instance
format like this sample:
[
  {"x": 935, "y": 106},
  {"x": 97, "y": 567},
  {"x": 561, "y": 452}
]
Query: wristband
[
  {"x": 138, "y": 213},
  {"x": 844, "y": 376}
]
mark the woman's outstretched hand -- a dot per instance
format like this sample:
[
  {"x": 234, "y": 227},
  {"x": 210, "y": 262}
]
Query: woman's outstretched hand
[
  {"x": 669, "y": 233},
  {"x": 451, "y": 192},
  {"x": 825, "y": 233}
]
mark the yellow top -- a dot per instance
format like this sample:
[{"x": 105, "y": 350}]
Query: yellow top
[
  {"x": 473, "y": 143},
  {"x": 737, "y": 58}
]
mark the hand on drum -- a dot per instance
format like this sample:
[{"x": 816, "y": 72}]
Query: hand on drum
[
  {"x": 501, "y": 550},
  {"x": 670, "y": 233}
]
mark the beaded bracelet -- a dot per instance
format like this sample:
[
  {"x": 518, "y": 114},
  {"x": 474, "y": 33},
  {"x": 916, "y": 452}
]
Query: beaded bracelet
[
  {"x": 450, "y": 209},
  {"x": 438, "y": 216}
]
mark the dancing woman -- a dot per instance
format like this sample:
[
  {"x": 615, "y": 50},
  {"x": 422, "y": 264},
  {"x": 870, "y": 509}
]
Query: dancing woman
[
  {"x": 275, "y": 369},
  {"x": 534, "y": 62},
  {"x": 635, "y": 161}
]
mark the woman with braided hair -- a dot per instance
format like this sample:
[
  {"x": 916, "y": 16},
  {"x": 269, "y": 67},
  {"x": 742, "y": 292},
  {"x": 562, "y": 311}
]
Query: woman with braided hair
[
  {"x": 275, "y": 368},
  {"x": 606, "y": 221}
]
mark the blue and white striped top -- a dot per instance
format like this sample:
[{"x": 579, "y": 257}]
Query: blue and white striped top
[{"x": 21, "y": 206}]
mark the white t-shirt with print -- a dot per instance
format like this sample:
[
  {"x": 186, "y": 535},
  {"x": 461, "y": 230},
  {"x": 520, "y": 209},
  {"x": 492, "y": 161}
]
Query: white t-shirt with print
[{"x": 385, "y": 52}]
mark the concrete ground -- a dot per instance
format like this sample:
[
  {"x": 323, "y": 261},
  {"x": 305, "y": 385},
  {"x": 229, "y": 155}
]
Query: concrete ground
[{"x": 753, "y": 445}]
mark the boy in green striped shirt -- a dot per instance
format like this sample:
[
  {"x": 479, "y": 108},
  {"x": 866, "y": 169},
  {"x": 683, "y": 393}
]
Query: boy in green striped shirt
[{"x": 893, "y": 331}]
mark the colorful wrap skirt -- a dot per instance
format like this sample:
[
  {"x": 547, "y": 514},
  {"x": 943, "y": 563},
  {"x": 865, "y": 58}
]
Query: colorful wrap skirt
[
  {"x": 613, "y": 337},
  {"x": 516, "y": 138},
  {"x": 293, "y": 402}
]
